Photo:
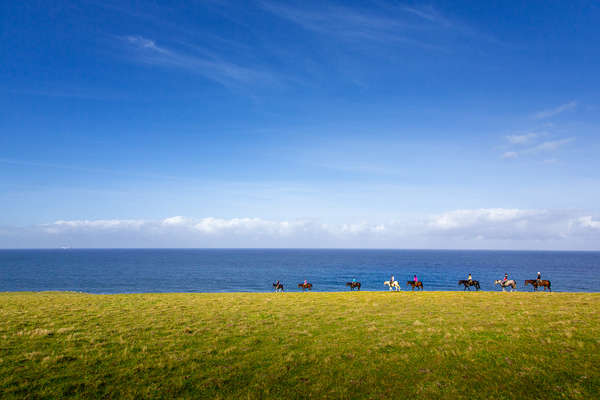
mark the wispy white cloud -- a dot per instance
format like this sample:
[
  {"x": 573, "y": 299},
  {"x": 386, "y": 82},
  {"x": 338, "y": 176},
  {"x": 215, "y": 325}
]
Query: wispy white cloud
[
  {"x": 374, "y": 24},
  {"x": 336, "y": 20},
  {"x": 555, "y": 111},
  {"x": 207, "y": 64},
  {"x": 524, "y": 138},
  {"x": 525, "y": 144},
  {"x": 551, "y": 145},
  {"x": 430, "y": 14}
]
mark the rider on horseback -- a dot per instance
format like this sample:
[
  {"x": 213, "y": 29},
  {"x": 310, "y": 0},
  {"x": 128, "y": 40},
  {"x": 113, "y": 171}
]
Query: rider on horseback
[
  {"x": 505, "y": 277},
  {"x": 415, "y": 279},
  {"x": 470, "y": 279},
  {"x": 539, "y": 279}
]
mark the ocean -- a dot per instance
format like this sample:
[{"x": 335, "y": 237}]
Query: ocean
[{"x": 254, "y": 270}]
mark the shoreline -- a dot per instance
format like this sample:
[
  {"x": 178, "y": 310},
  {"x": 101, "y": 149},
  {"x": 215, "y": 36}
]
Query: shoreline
[{"x": 291, "y": 292}]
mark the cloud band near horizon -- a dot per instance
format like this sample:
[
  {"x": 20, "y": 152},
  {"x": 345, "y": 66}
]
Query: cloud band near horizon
[{"x": 492, "y": 228}]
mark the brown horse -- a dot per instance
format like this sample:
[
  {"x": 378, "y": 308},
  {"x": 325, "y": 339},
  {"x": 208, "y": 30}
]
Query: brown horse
[
  {"x": 418, "y": 285},
  {"x": 353, "y": 285},
  {"x": 305, "y": 286},
  {"x": 533, "y": 282}
]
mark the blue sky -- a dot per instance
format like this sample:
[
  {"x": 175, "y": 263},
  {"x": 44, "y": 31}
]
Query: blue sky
[{"x": 300, "y": 124}]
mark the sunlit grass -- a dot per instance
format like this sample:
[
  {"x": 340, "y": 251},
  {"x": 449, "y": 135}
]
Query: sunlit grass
[{"x": 332, "y": 345}]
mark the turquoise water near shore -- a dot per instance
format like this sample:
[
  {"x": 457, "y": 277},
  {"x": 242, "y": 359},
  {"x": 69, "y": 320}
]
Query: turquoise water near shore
[{"x": 254, "y": 270}]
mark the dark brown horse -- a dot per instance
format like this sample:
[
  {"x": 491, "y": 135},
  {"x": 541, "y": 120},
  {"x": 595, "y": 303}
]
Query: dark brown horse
[
  {"x": 305, "y": 286},
  {"x": 278, "y": 286},
  {"x": 353, "y": 285},
  {"x": 468, "y": 284},
  {"x": 418, "y": 285},
  {"x": 533, "y": 282}
]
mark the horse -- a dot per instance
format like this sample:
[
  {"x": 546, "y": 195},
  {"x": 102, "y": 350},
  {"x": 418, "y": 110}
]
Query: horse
[
  {"x": 305, "y": 286},
  {"x": 278, "y": 287},
  {"x": 393, "y": 286},
  {"x": 535, "y": 284},
  {"x": 418, "y": 284},
  {"x": 353, "y": 285},
  {"x": 469, "y": 284},
  {"x": 508, "y": 283}
]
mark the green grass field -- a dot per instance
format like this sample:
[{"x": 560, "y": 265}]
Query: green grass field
[{"x": 297, "y": 345}]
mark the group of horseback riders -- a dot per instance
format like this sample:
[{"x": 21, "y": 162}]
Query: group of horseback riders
[
  {"x": 415, "y": 282},
  {"x": 538, "y": 280},
  {"x": 415, "y": 279}
]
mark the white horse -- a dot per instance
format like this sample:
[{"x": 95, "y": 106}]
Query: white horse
[
  {"x": 508, "y": 283},
  {"x": 393, "y": 286}
]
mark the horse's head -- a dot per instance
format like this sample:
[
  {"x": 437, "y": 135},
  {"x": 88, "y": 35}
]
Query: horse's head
[{"x": 497, "y": 282}]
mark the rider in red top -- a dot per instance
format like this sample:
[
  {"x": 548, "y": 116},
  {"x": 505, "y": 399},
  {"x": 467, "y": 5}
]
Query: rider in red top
[{"x": 415, "y": 279}]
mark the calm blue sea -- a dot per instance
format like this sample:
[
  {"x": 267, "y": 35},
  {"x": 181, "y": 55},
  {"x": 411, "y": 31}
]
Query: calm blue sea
[{"x": 176, "y": 270}]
